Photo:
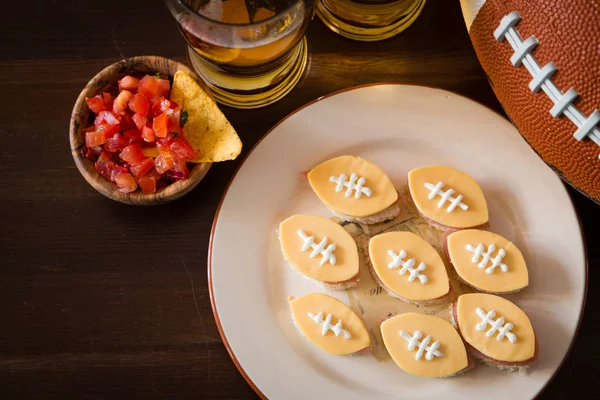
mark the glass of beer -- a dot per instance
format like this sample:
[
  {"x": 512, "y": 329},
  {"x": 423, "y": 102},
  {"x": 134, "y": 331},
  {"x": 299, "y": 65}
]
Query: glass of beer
[
  {"x": 369, "y": 20},
  {"x": 250, "y": 52}
]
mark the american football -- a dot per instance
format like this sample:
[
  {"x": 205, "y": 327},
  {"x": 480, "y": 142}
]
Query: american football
[{"x": 543, "y": 62}]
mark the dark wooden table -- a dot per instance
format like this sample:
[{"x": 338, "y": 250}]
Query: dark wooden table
[{"x": 102, "y": 300}]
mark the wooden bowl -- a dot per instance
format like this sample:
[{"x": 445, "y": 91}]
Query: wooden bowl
[{"x": 106, "y": 80}]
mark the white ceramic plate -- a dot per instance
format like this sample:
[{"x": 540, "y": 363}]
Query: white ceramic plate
[{"x": 399, "y": 128}]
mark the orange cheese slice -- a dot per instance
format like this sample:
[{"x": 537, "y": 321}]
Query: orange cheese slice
[
  {"x": 512, "y": 340},
  {"x": 329, "y": 324},
  {"x": 404, "y": 277},
  {"x": 333, "y": 184},
  {"x": 448, "y": 196},
  {"x": 337, "y": 259},
  {"x": 443, "y": 352},
  {"x": 487, "y": 261}
]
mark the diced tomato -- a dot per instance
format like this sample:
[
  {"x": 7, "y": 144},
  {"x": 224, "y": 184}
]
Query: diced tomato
[
  {"x": 108, "y": 100},
  {"x": 115, "y": 143},
  {"x": 106, "y": 116},
  {"x": 164, "y": 86},
  {"x": 108, "y": 130},
  {"x": 160, "y": 125},
  {"x": 132, "y": 154},
  {"x": 174, "y": 124},
  {"x": 132, "y": 135},
  {"x": 105, "y": 167},
  {"x": 128, "y": 83},
  {"x": 125, "y": 182},
  {"x": 163, "y": 90},
  {"x": 142, "y": 167},
  {"x": 117, "y": 169},
  {"x": 182, "y": 148},
  {"x": 91, "y": 152},
  {"x": 154, "y": 174},
  {"x": 163, "y": 163},
  {"x": 104, "y": 156},
  {"x": 148, "y": 184},
  {"x": 140, "y": 115},
  {"x": 148, "y": 134},
  {"x": 140, "y": 121},
  {"x": 87, "y": 152},
  {"x": 162, "y": 144},
  {"x": 96, "y": 103},
  {"x": 148, "y": 85},
  {"x": 160, "y": 182},
  {"x": 160, "y": 106},
  {"x": 139, "y": 104},
  {"x": 127, "y": 121},
  {"x": 120, "y": 102},
  {"x": 93, "y": 139},
  {"x": 180, "y": 170}
]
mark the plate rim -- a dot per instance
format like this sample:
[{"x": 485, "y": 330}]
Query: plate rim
[{"x": 213, "y": 305}]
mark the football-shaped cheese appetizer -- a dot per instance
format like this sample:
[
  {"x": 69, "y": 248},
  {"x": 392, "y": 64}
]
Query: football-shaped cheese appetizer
[
  {"x": 496, "y": 331},
  {"x": 329, "y": 324},
  {"x": 447, "y": 198},
  {"x": 355, "y": 189},
  {"x": 408, "y": 268},
  {"x": 543, "y": 61},
  {"x": 486, "y": 261},
  {"x": 321, "y": 250},
  {"x": 425, "y": 345}
]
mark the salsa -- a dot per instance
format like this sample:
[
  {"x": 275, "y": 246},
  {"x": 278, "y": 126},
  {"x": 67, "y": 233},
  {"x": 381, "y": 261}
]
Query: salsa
[{"x": 136, "y": 139}]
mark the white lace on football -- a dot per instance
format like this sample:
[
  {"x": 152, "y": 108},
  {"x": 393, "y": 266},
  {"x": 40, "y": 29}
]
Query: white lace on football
[
  {"x": 326, "y": 325},
  {"x": 319, "y": 248},
  {"x": 542, "y": 79},
  {"x": 497, "y": 325},
  {"x": 423, "y": 346},
  {"x": 487, "y": 257},
  {"x": 359, "y": 187},
  {"x": 445, "y": 196},
  {"x": 407, "y": 266}
]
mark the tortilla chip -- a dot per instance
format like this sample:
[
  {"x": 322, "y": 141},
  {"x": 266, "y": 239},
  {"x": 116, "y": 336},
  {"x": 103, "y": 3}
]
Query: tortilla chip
[{"x": 207, "y": 130}]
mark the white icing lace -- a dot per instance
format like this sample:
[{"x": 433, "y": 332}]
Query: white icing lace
[
  {"x": 327, "y": 253},
  {"x": 407, "y": 266},
  {"x": 413, "y": 342},
  {"x": 359, "y": 187},
  {"x": 542, "y": 79},
  {"x": 326, "y": 325},
  {"x": 487, "y": 257},
  {"x": 497, "y": 325},
  {"x": 445, "y": 196}
]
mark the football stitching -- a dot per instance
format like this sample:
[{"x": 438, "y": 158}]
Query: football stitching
[
  {"x": 327, "y": 326},
  {"x": 318, "y": 248},
  {"x": 542, "y": 79}
]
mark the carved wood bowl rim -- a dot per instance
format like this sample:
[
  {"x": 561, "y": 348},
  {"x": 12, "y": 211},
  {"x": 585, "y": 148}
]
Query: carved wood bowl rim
[{"x": 106, "y": 80}]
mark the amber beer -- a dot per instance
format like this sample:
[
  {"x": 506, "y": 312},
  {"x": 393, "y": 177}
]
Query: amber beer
[
  {"x": 251, "y": 52},
  {"x": 369, "y": 20},
  {"x": 254, "y": 50}
]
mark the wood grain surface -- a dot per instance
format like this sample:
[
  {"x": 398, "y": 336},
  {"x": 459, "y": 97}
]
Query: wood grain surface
[{"x": 103, "y": 300}]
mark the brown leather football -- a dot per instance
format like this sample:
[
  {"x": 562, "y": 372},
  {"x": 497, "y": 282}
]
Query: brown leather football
[{"x": 542, "y": 59}]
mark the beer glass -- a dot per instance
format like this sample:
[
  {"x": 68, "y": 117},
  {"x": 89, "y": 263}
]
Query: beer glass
[{"x": 250, "y": 53}]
